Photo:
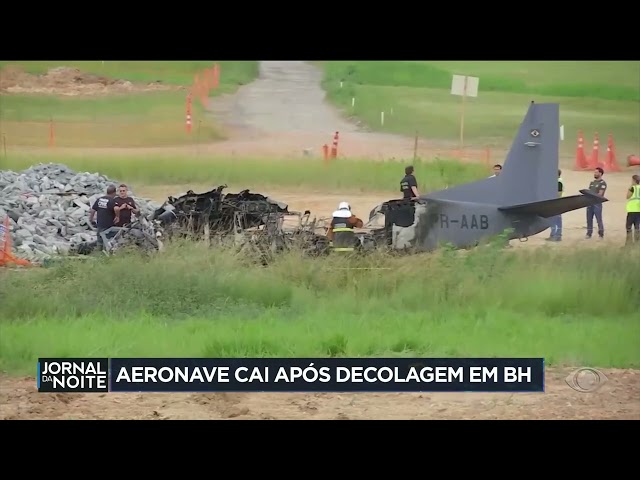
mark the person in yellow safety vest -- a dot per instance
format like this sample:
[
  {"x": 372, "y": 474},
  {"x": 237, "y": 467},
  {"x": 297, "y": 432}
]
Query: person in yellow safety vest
[
  {"x": 633, "y": 211},
  {"x": 340, "y": 232},
  {"x": 556, "y": 226}
]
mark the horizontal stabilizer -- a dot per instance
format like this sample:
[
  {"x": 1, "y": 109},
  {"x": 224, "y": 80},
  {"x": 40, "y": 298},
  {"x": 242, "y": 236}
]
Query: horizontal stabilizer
[{"x": 556, "y": 206}]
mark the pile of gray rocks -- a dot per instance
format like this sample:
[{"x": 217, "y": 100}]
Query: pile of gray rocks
[{"x": 48, "y": 207}]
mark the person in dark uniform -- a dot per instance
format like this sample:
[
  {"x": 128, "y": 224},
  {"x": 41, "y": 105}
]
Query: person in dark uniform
[
  {"x": 497, "y": 170},
  {"x": 409, "y": 185},
  {"x": 102, "y": 210},
  {"x": 599, "y": 187},
  {"x": 123, "y": 207},
  {"x": 633, "y": 211},
  {"x": 556, "y": 226}
]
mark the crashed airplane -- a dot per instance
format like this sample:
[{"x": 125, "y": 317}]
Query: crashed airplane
[{"x": 519, "y": 202}]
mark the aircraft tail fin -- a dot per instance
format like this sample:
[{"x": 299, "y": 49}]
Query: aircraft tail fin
[
  {"x": 530, "y": 170},
  {"x": 556, "y": 206}
]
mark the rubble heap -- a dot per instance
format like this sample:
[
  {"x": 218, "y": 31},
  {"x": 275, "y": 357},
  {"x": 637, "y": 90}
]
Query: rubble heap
[{"x": 48, "y": 206}]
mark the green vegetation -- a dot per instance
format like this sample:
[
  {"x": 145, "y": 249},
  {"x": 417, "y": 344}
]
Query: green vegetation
[
  {"x": 195, "y": 301},
  {"x": 593, "y": 96},
  {"x": 121, "y": 120},
  {"x": 246, "y": 172}
]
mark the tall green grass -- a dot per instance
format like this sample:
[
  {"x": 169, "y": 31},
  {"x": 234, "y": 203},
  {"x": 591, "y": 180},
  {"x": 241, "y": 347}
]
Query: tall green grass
[
  {"x": 245, "y": 172},
  {"x": 196, "y": 301}
]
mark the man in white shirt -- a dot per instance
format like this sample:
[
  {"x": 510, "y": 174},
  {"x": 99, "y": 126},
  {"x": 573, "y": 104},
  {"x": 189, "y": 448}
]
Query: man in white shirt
[{"x": 497, "y": 168}]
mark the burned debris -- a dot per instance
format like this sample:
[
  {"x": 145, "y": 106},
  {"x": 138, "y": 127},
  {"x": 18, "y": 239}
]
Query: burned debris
[
  {"x": 220, "y": 213},
  {"x": 248, "y": 220}
]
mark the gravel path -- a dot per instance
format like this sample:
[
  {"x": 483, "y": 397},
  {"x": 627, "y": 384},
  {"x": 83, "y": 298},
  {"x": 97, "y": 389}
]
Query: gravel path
[{"x": 285, "y": 109}]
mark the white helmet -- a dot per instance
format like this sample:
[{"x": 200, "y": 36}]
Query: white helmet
[{"x": 344, "y": 206}]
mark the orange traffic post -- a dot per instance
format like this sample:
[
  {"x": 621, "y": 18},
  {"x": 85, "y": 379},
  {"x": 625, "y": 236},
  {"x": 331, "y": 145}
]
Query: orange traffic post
[
  {"x": 52, "y": 134},
  {"x": 334, "y": 148},
  {"x": 325, "y": 152},
  {"x": 188, "y": 124}
]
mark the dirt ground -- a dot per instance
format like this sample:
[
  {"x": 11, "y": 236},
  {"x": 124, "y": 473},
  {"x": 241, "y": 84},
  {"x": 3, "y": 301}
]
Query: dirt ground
[
  {"x": 283, "y": 113},
  {"x": 616, "y": 399},
  {"x": 69, "y": 82}
]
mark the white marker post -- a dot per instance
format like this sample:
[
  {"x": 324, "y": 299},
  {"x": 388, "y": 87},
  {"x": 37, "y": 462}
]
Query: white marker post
[
  {"x": 381, "y": 118},
  {"x": 353, "y": 102},
  {"x": 464, "y": 86},
  {"x": 340, "y": 84},
  {"x": 561, "y": 132}
]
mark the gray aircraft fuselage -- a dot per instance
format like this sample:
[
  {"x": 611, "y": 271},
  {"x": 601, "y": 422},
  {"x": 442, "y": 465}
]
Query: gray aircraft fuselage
[
  {"x": 461, "y": 224},
  {"x": 464, "y": 224},
  {"x": 518, "y": 203}
]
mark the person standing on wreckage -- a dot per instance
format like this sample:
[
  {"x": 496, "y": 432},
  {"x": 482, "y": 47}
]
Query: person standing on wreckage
[
  {"x": 341, "y": 236},
  {"x": 102, "y": 210},
  {"x": 123, "y": 206}
]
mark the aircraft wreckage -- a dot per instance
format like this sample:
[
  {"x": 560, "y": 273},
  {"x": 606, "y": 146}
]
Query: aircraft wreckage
[
  {"x": 522, "y": 201},
  {"x": 248, "y": 220}
]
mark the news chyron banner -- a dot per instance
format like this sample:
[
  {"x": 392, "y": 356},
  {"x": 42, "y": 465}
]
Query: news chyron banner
[{"x": 201, "y": 375}]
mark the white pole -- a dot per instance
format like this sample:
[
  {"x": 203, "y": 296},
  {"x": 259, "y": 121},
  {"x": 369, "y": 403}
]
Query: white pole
[
  {"x": 340, "y": 84},
  {"x": 353, "y": 102},
  {"x": 381, "y": 118}
]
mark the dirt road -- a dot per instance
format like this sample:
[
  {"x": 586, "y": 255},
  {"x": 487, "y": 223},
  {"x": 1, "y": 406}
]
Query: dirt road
[{"x": 284, "y": 112}]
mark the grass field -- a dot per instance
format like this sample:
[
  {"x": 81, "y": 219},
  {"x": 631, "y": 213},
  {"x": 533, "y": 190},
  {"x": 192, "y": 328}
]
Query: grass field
[
  {"x": 130, "y": 120},
  {"x": 198, "y": 302},
  {"x": 415, "y": 96},
  {"x": 247, "y": 173}
]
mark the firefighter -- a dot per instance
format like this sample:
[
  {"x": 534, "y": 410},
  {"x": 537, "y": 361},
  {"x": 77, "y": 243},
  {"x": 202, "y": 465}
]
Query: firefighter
[{"x": 340, "y": 232}]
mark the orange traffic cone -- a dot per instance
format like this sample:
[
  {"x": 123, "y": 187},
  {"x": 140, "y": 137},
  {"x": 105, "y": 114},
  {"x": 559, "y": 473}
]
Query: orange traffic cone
[
  {"x": 610, "y": 163},
  {"x": 581, "y": 159},
  {"x": 6, "y": 257},
  {"x": 633, "y": 161},
  {"x": 593, "y": 159}
]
